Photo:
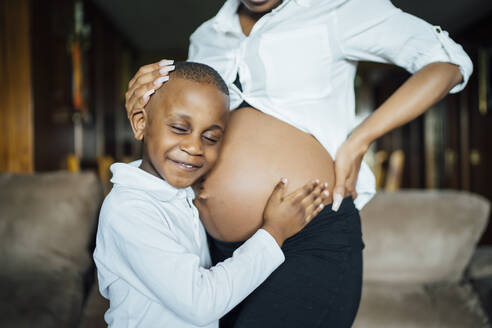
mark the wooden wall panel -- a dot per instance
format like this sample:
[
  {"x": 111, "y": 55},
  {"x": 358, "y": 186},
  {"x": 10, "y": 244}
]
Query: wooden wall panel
[
  {"x": 475, "y": 133},
  {"x": 52, "y": 23},
  {"x": 112, "y": 61},
  {"x": 16, "y": 126}
]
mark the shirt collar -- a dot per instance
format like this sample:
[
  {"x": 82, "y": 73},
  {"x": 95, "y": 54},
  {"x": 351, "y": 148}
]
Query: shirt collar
[
  {"x": 224, "y": 20},
  {"x": 304, "y": 3},
  {"x": 130, "y": 175}
]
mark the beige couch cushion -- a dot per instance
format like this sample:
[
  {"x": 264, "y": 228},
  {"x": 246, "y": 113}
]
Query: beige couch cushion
[
  {"x": 416, "y": 236},
  {"x": 47, "y": 222},
  {"x": 447, "y": 305}
]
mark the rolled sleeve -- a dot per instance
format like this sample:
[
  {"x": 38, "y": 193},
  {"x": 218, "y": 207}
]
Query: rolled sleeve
[
  {"x": 455, "y": 55},
  {"x": 377, "y": 31}
]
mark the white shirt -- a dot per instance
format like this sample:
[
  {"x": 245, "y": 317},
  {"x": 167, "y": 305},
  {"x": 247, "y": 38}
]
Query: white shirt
[
  {"x": 153, "y": 261},
  {"x": 299, "y": 62}
]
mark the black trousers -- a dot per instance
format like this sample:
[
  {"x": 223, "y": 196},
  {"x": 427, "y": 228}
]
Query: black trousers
[{"x": 318, "y": 285}]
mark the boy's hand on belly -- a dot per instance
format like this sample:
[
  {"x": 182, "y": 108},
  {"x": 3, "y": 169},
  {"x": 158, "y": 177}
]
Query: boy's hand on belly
[{"x": 284, "y": 216}]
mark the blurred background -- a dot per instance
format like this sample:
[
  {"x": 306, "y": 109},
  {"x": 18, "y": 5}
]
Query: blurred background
[{"x": 65, "y": 66}]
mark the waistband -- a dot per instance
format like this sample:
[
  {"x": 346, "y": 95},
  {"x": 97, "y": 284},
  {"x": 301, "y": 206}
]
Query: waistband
[{"x": 341, "y": 227}]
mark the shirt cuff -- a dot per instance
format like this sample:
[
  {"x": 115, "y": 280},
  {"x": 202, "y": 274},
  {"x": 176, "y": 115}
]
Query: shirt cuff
[
  {"x": 263, "y": 242},
  {"x": 456, "y": 56}
]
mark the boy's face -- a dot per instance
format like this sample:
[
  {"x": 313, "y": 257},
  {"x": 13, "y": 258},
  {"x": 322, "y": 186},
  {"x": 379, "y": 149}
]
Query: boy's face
[{"x": 184, "y": 125}]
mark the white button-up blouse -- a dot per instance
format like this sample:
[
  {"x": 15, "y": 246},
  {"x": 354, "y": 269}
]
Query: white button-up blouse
[{"x": 299, "y": 62}]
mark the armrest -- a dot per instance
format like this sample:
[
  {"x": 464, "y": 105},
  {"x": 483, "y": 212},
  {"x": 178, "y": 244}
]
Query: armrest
[{"x": 480, "y": 266}]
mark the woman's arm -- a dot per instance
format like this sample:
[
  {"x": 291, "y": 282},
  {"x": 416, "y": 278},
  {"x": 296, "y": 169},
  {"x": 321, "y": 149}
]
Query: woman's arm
[
  {"x": 414, "y": 97},
  {"x": 377, "y": 31}
]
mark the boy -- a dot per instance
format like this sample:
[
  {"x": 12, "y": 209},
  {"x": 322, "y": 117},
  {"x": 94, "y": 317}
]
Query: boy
[{"x": 151, "y": 254}]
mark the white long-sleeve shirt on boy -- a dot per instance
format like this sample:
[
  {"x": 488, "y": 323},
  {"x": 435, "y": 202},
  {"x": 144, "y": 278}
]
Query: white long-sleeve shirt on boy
[{"x": 153, "y": 261}]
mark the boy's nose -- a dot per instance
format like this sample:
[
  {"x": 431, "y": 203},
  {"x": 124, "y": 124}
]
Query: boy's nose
[{"x": 192, "y": 145}]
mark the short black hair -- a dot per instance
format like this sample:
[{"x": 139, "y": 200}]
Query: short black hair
[{"x": 200, "y": 73}]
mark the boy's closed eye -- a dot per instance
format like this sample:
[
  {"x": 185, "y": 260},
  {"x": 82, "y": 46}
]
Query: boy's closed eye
[
  {"x": 211, "y": 137},
  {"x": 179, "y": 129}
]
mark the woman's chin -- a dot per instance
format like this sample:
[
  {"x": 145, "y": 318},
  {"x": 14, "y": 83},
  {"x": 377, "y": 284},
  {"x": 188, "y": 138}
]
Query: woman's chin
[
  {"x": 261, "y": 6},
  {"x": 258, "y": 2}
]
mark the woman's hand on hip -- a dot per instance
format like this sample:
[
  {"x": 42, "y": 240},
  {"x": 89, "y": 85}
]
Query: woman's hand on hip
[
  {"x": 147, "y": 79},
  {"x": 414, "y": 97},
  {"x": 347, "y": 165}
]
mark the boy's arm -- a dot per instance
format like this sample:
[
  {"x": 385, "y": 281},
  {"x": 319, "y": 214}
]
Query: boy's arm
[{"x": 139, "y": 249}]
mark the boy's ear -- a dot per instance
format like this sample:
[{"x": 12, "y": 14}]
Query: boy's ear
[{"x": 138, "y": 120}]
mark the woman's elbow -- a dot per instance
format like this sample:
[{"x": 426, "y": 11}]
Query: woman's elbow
[
  {"x": 455, "y": 73},
  {"x": 445, "y": 74}
]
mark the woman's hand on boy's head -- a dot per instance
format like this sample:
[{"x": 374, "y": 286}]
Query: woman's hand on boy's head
[
  {"x": 147, "y": 79},
  {"x": 284, "y": 216}
]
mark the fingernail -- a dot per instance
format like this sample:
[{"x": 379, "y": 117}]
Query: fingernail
[
  {"x": 147, "y": 94},
  {"x": 321, "y": 206},
  {"x": 325, "y": 185},
  {"x": 317, "y": 181},
  {"x": 161, "y": 80},
  {"x": 284, "y": 180},
  {"x": 326, "y": 193},
  {"x": 166, "y": 69},
  {"x": 337, "y": 200},
  {"x": 166, "y": 62}
]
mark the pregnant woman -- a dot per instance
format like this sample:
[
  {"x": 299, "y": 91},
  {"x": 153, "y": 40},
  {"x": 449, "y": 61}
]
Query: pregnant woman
[{"x": 290, "y": 67}]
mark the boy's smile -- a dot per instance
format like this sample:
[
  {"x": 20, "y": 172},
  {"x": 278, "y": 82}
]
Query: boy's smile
[{"x": 183, "y": 127}]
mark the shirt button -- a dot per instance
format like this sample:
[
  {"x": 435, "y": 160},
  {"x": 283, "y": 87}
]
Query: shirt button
[{"x": 438, "y": 30}]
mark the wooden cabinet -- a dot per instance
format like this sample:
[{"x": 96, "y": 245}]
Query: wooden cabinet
[{"x": 16, "y": 124}]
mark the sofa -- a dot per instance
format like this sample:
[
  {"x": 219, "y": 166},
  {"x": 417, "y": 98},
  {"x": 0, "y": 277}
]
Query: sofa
[
  {"x": 47, "y": 225},
  {"x": 419, "y": 245},
  {"x": 418, "y": 266},
  {"x": 421, "y": 266}
]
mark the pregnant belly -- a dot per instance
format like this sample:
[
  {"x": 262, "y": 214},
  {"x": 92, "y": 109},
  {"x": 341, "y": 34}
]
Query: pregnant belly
[{"x": 258, "y": 150}]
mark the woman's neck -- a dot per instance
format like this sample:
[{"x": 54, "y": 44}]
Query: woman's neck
[{"x": 247, "y": 19}]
